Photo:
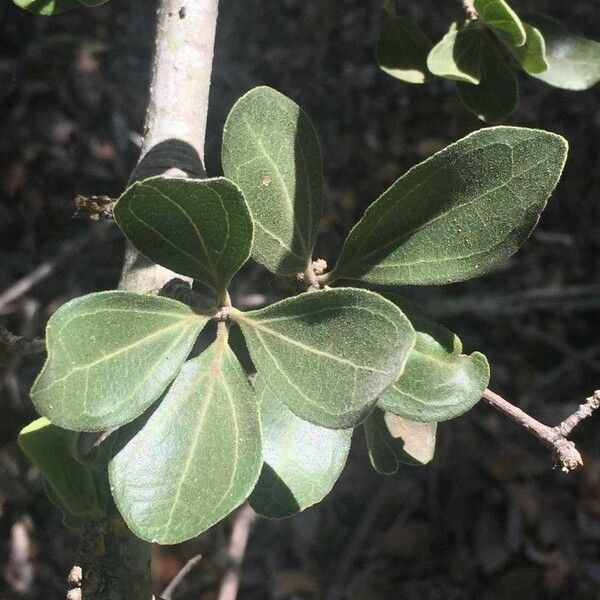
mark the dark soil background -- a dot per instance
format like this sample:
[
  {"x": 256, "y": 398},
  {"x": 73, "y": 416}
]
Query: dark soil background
[{"x": 489, "y": 518}]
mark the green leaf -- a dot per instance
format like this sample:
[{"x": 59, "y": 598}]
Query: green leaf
[
  {"x": 532, "y": 55},
  {"x": 402, "y": 49},
  {"x": 392, "y": 440},
  {"x": 70, "y": 485},
  {"x": 438, "y": 382},
  {"x": 458, "y": 214},
  {"x": 458, "y": 54},
  {"x": 497, "y": 94},
  {"x": 197, "y": 227},
  {"x": 54, "y": 7},
  {"x": 328, "y": 354},
  {"x": 302, "y": 461},
  {"x": 196, "y": 458},
  {"x": 110, "y": 355},
  {"x": 271, "y": 151},
  {"x": 500, "y": 17},
  {"x": 573, "y": 61}
]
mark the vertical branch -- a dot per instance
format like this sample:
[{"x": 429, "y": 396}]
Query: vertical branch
[
  {"x": 114, "y": 564},
  {"x": 175, "y": 125}
]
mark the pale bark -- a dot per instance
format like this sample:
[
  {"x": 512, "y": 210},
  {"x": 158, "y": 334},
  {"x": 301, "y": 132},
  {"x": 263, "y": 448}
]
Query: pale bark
[{"x": 114, "y": 563}]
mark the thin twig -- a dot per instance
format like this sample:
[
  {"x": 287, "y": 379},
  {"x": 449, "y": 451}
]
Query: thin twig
[
  {"x": 48, "y": 267},
  {"x": 189, "y": 565},
  {"x": 242, "y": 526},
  {"x": 584, "y": 411},
  {"x": 554, "y": 437}
]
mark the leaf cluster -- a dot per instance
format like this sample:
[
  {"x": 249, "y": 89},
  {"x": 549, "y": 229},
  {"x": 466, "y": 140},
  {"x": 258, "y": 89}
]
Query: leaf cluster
[
  {"x": 265, "y": 413},
  {"x": 484, "y": 54}
]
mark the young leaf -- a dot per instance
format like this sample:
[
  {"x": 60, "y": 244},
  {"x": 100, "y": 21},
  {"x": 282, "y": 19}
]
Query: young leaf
[
  {"x": 271, "y": 150},
  {"x": 302, "y": 461},
  {"x": 70, "y": 485},
  {"x": 438, "y": 382},
  {"x": 328, "y": 354},
  {"x": 532, "y": 55},
  {"x": 402, "y": 49},
  {"x": 497, "y": 94},
  {"x": 392, "y": 440},
  {"x": 500, "y": 17},
  {"x": 573, "y": 61},
  {"x": 196, "y": 458},
  {"x": 459, "y": 213},
  {"x": 110, "y": 355},
  {"x": 458, "y": 54},
  {"x": 197, "y": 227}
]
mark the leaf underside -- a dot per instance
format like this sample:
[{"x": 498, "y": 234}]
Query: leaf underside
[
  {"x": 438, "y": 381},
  {"x": 393, "y": 440},
  {"x": 110, "y": 355},
  {"x": 196, "y": 458},
  {"x": 457, "y": 55},
  {"x": 532, "y": 55},
  {"x": 458, "y": 214},
  {"x": 271, "y": 151},
  {"x": 302, "y": 461},
  {"x": 573, "y": 61},
  {"x": 502, "y": 19},
  {"x": 328, "y": 354},
  {"x": 201, "y": 228}
]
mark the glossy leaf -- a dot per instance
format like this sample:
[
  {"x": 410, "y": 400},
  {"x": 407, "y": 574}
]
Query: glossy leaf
[
  {"x": 438, "y": 382},
  {"x": 110, "y": 355},
  {"x": 392, "y": 440},
  {"x": 458, "y": 214},
  {"x": 402, "y": 49},
  {"x": 197, "y": 227},
  {"x": 458, "y": 54},
  {"x": 271, "y": 151},
  {"x": 72, "y": 486},
  {"x": 500, "y": 17},
  {"x": 328, "y": 354},
  {"x": 532, "y": 55},
  {"x": 497, "y": 94},
  {"x": 196, "y": 458},
  {"x": 573, "y": 61},
  {"x": 302, "y": 461}
]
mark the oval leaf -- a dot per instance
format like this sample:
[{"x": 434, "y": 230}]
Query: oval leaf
[
  {"x": 573, "y": 61},
  {"x": 196, "y": 458},
  {"x": 500, "y": 17},
  {"x": 197, "y": 227},
  {"x": 402, "y": 49},
  {"x": 70, "y": 485},
  {"x": 110, "y": 355},
  {"x": 302, "y": 461},
  {"x": 497, "y": 94},
  {"x": 328, "y": 354},
  {"x": 458, "y": 54},
  {"x": 392, "y": 440},
  {"x": 459, "y": 213},
  {"x": 271, "y": 151},
  {"x": 532, "y": 55},
  {"x": 438, "y": 381}
]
